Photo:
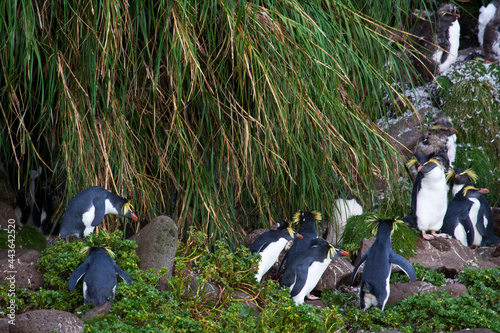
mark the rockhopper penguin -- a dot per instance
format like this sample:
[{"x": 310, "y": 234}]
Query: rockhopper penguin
[
  {"x": 99, "y": 283},
  {"x": 269, "y": 245},
  {"x": 429, "y": 200},
  {"x": 88, "y": 208},
  {"x": 374, "y": 288},
  {"x": 303, "y": 274}
]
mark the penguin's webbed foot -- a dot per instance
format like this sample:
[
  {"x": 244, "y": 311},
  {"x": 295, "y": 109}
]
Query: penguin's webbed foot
[
  {"x": 427, "y": 236},
  {"x": 312, "y": 297}
]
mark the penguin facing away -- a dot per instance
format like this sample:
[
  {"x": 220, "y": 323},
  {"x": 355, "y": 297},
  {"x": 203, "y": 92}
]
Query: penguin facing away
[
  {"x": 486, "y": 14},
  {"x": 342, "y": 210},
  {"x": 88, "y": 208},
  {"x": 303, "y": 274},
  {"x": 99, "y": 283},
  {"x": 374, "y": 288},
  {"x": 269, "y": 245},
  {"x": 429, "y": 200},
  {"x": 457, "y": 222}
]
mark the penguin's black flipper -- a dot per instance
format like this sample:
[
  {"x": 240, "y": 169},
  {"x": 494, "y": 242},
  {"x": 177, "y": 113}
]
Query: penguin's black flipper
[
  {"x": 398, "y": 260},
  {"x": 469, "y": 228},
  {"x": 100, "y": 210},
  {"x": 300, "y": 278},
  {"x": 355, "y": 270},
  {"x": 77, "y": 275},
  {"x": 122, "y": 274}
]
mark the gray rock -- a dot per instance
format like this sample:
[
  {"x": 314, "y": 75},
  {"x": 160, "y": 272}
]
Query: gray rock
[
  {"x": 7, "y": 213},
  {"x": 45, "y": 321},
  {"x": 99, "y": 311},
  {"x": 4, "y": 325},
  {"x": 157, "y": 244},
  {"x": 448, "y": 256},
  {"x": 240, "y": 296},
  {"x": 26, "y": 275},
  {"x": 337, "y": 273},
  {"x": 400, "y": 291}
]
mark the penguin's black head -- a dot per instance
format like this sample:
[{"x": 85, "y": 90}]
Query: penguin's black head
[
  {"x": 429, "y": 166},
  {"x": 448, "y": 12},
  {"x": 285, "y": 226},
  {"x": 333, "y": 251},
  {"x": 392, "y": 224},
  {"x": 442, "y": 126},
  {"x": 302, "y": 217},
  {"x": 95, "y": 250},
  {"x": 465, "y": 176},
  {"x": 127, "y": 211},
  {"x": 472, "y": 191}
]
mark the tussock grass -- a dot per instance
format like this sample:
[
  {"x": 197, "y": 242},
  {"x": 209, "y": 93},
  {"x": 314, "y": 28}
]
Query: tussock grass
[{"x": 225, "y": 115}]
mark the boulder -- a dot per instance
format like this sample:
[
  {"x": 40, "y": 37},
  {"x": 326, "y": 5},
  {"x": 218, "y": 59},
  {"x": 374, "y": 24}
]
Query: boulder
[
  {"x": 400, "y": 291},
  {"x": 157, "y": 244},
  {"x": 447, "y": 256},
  {"x": 241, "y": 296},
  {"x": 45, "y": 321},
  {"x": 7, "y": 214},
  {"x": 336, "y": 274},
  {"x": 4, "y": 325},
  {"x": 26, "y": 274},
  {"x": 99, "y": 311}
]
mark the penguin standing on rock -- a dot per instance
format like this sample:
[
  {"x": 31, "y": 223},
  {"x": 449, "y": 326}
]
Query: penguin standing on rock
[
  {"x": 457, "y": 222},
  {"x": 429, "y": 200},
  {"x": 269, "y": 245},
  {"x": 99, "y": 283},
  {"x": 437, "y": 38},
  {"x": 374, "y": 288},
  {"x": 88, "y": 208},
  {"x": 303, "y": 274}
]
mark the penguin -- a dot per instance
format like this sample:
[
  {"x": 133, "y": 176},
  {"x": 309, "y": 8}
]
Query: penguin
[
  {"x": 441, "y": 139},
  {"x": 374, "y": 289},
  {"x": 459, "y": 177},
  {"x": 429, "y": 200},
  {"x": 491, "y": 40},
  {"x": 303, "y": 274},
  {"x": 307, "y": 230},
  {"x": 87, "y": 210},
  {"x": 467, "y": 177},
  {"x": 457, "y": 222},
  {"x": 342, "y": 210},
  {"x": 99, "y": 283},
  {"x": 269, "y": 245},
  {"x": 437, "y": 38},
  {"x": 486, "y": 14}
]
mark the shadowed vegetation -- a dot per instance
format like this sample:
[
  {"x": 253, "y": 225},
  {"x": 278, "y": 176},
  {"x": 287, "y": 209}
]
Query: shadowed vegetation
[{"x": 226, "y": 115}]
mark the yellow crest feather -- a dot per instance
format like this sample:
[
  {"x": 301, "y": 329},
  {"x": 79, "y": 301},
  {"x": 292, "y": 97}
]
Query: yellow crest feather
[
  {"x": 450, "y": 173},
  {"x": 468, "y": 188},
  {"x": 433, "y": 160},
  {"x": 471, "y": 173},
  {"x": 316, "y": 215},
  {"x": 127, "y": 207},
  {"x": 411, "y": 162}
]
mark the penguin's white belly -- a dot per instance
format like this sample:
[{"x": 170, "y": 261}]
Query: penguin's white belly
[
  {"x": 85, "y": 295},
  {"x": 432, "y": 203},
  {"x": 454, "y": 36},
  {"x": 473, "y": 214},
  {"x": 87, "y": 219},
  {"x": 456, "y": 188},
  {"x": 460, "y": 234},
  {"x": 109, "y": 208},
  {"x": 269, "y": 257},
  {"x": 314, "y": 273}
]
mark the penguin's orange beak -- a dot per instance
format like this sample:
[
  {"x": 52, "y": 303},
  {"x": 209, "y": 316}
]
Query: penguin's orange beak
[
  {"x": 484, "y": 190},
  {"x": 133, "y": 216},
  {"x": 299, "y": 235},
  {"x": 344, "y": 253},
  {"x": 454, "y": 130},
  {"x": 420, "y": 167}
]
